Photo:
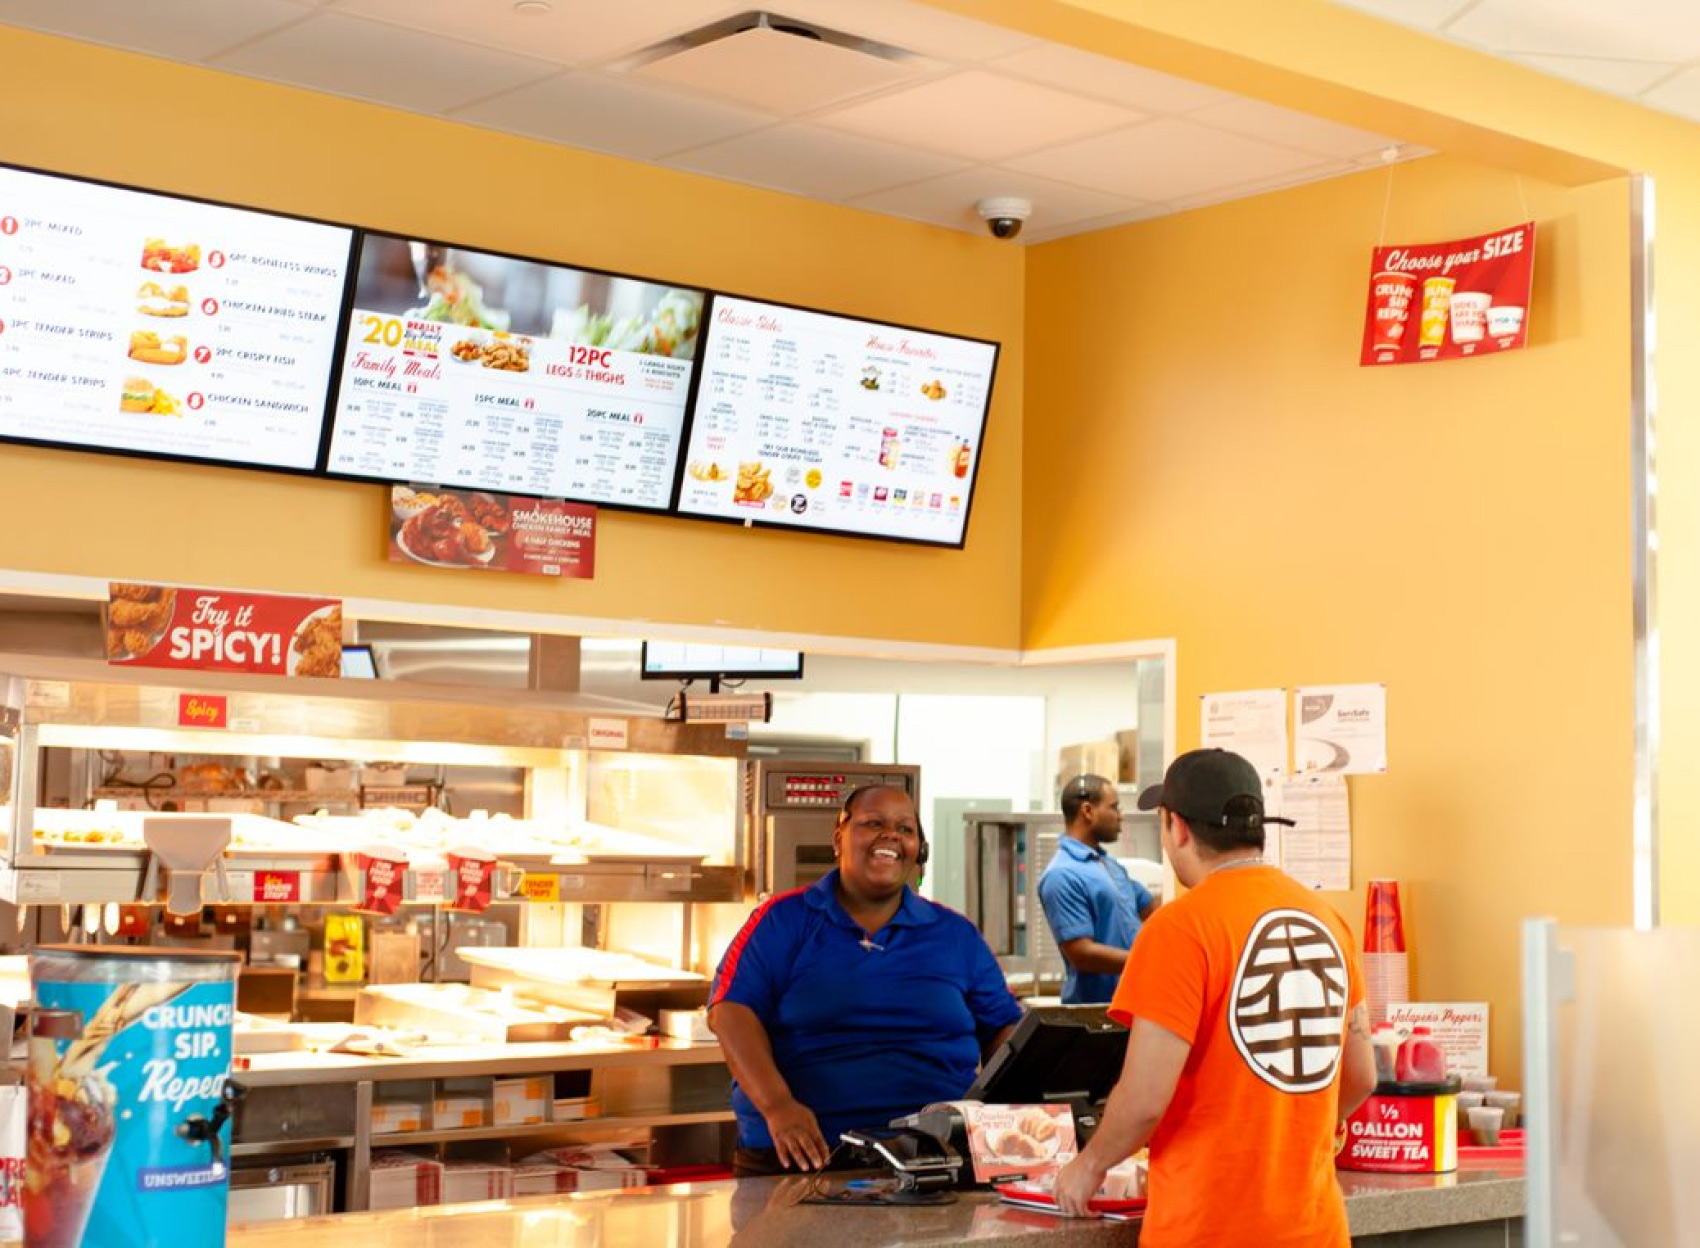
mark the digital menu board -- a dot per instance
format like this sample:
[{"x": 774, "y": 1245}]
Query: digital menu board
[
  {"x": 467, "y": 368},
  {"x": 816, "y": 421},
  {"x": 148, "y": 324}
]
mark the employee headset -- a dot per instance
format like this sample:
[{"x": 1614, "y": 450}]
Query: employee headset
[{"x": 855, "y": 795}]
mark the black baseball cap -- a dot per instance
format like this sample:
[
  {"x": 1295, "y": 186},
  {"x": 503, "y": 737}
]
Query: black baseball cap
[{"x": 1199, "y": 785}]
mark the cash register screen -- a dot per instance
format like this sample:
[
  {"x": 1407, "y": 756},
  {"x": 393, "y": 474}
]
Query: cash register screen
[{"x": 1055, "y": 1053}]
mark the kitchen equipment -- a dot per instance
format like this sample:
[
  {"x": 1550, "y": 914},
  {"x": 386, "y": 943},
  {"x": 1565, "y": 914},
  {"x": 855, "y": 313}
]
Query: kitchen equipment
[{"x": 791, "y": 807}]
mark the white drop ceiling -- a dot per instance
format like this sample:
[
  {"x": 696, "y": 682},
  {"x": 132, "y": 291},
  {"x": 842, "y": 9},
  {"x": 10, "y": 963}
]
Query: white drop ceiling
[
  {"x": 913, "y": 112},
  {"x": 1642, "y": 50},
  {"x": 941, "y": 112}
]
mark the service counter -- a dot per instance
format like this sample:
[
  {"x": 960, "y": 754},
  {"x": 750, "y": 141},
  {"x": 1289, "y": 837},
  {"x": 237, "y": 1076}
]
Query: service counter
[
  {"x": 299, "y": 1103},
  {"x": 1470, "y": 1209}
]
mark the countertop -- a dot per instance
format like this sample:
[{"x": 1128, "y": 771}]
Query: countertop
[{"x": 764, "y": 1213}]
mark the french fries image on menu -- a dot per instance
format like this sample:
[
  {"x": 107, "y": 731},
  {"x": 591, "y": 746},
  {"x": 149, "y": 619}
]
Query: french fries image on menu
[
  {"x": 152, "y": 299},
  {"x": 161, "y": 257},
  {"x": 152, "y": 348}
]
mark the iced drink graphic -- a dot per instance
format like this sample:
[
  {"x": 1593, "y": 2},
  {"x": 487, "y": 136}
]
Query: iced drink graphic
[{"x": 71, "y": 1126}]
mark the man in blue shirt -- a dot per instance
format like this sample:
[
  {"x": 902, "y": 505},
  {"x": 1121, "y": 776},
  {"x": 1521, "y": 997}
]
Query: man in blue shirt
[
  {"x": 855, "y": 1000},
  {"x": 1094, "y": 907}
]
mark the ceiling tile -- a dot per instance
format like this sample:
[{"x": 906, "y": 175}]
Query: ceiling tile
[
  {"x": 605, "y": 115},
  {"x": 907, "y": 25},
  {"x": 1287, "y": 128},
  {"x": 1108, "y": 79},
  {"x": 782, "y": 73},
  {"x": 572, "y": 32},
  {"x": 1262, "y": 186},
  {"x": 809, "y": 161},
  {"x": 1423, "y": 14},
  {"x": 1651, "y": 30},
  {"x": 978, "y": 116},
  {"x": 185, "y": 30},
  {"x": 1681, "y": 95},
  {"x": 950, "y": 200},
  {"x": 1168, "y": 159},
  {"x": 372, "y": 61},
  {"x": 1613, "y": 77}
]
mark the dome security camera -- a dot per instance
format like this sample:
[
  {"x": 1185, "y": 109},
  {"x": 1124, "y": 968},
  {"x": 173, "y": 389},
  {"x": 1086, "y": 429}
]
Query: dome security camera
[{"x": 1004, "y": 214}]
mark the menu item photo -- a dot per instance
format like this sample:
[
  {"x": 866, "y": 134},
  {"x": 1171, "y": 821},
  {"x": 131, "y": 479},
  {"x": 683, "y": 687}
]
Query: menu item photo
[
  {"x": 475, "y": 529},
  {"x": 111, "y": 282},
  {"x": 835, "y": 424},
  {"x": 497, "y": 373}
]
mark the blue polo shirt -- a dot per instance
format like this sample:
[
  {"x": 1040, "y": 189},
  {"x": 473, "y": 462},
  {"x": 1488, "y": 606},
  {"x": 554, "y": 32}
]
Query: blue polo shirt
[
  {"x": 1085, "y": 892},
  {"x": 863, "y": 1035}
]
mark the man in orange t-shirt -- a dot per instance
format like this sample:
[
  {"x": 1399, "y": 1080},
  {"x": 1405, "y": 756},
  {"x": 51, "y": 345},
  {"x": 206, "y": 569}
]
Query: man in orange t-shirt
[{"x": 1250, "y": 1037}]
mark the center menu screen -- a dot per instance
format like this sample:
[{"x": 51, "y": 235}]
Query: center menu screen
[
  {"x": 153, "y": 325},
  {"x": 465, "y": 368},
  {"x": 816, "y": 421}
]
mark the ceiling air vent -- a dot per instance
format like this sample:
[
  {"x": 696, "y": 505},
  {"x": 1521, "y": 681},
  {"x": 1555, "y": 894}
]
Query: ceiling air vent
[{"x": 775, "y": 63}]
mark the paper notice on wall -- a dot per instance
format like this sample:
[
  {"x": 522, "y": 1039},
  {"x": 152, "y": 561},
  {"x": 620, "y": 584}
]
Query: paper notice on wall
[
  {"x": 1252, "y": 723},
  {"x": 1340, "y": 728},
  {"x": 1317, "y": 850},
  {"x": 1460, "y": 1028}
]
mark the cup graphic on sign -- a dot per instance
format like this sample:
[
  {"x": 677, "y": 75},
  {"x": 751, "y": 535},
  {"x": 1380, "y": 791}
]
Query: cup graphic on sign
[
  {"x": 1470, "y": 315},
  {"x": 1437, "y": 308},
  {"x": 1504, "y": 322},
  {"x": 1393, "y": 293}
]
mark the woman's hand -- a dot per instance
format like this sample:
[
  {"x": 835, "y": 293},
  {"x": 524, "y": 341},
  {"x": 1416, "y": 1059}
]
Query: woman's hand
[
  {"x": 1077, "y": 1183},
  {"x": 796, "y": 1136}
]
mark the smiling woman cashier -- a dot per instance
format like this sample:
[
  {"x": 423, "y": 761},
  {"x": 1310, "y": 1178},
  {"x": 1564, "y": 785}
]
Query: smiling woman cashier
[{"x": 855, "y": 1000}]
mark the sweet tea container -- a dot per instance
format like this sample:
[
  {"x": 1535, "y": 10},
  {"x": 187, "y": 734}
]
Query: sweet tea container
[{"x": 129, "y": 1065}]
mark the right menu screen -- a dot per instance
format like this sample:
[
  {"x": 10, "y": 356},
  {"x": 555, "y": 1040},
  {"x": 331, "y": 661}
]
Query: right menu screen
[{"x": 816, "y": 421}]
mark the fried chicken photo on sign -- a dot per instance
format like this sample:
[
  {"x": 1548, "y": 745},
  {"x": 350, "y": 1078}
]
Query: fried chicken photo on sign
[
  {"x": 319, "y": 643},
  {"x": 143, "y": 616}
]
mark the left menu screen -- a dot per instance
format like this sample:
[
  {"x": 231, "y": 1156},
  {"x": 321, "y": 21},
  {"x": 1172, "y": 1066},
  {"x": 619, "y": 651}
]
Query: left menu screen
[{"x": 147, "y": 324}]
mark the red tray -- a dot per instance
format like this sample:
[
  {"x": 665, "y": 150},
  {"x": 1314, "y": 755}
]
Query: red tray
[{"x": 1028, "y": 1197}]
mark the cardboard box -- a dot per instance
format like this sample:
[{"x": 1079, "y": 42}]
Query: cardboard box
[
  {"x": 459, "y": 1110},
  {"x": 689, "y": 1025},
  {"x": 522, "y": 1102},
  {"x": 391, "y": 1116},
  {"x": 544, "y": 1178},
  {"x": 1090, "y": 758},
  {"x": 402, "y": 1180},
  {"x": 1127, "y": 756},
  {"x": 476, "y": 1180},
  {"x": 572, "y": 1108}
]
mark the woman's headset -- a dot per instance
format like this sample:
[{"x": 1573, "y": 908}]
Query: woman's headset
[{"x": 850, "y": 799}]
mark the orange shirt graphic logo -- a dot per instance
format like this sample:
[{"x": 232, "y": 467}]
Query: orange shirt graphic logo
[{"x": 1289, "y": 1002}]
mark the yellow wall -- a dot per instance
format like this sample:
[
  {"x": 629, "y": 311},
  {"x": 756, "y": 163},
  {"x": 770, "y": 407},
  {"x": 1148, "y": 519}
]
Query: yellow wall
[
  {"x": 78, "y": 109},
  {"x": 1329, "y": 60},
  {"x": 1206, "y": 460}
]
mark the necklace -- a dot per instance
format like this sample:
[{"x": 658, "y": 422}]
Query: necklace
[{"x": 1235, "y": 862}]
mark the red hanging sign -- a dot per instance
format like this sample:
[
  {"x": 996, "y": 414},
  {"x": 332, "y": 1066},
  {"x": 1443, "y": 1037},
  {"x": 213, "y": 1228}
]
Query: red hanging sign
[
  {"x": 1445, "y": 301},
  {"x": 384, "y": 878},
  {"x": 203, "y": 710},
  {"x": 474, "y": 530},
  {"x": 215, "y": 631},
  {"x": 474, "y": 882}
]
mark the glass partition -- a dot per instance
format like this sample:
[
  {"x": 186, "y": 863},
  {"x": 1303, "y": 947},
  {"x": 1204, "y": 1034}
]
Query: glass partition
[{"x": 1613, "y": 1086}]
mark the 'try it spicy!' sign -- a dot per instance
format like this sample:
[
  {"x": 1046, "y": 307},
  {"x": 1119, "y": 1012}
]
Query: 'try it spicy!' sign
[
  {"x": 214, "y": 631},
  {"x": 1444, "y": 301}
]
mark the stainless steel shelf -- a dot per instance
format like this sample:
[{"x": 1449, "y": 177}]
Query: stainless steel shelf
[{"x": 658, "y": 1119}]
